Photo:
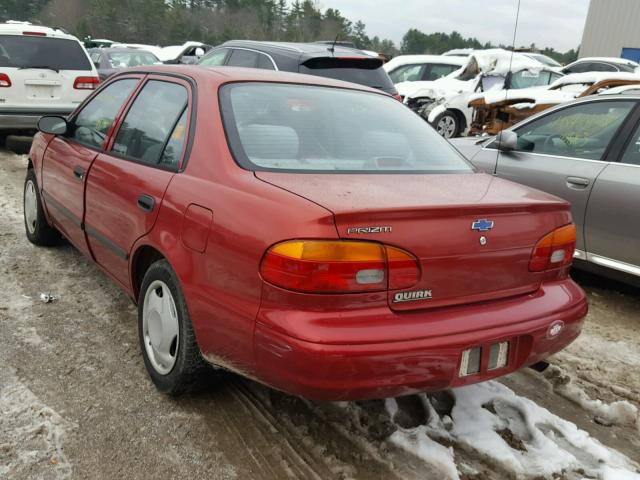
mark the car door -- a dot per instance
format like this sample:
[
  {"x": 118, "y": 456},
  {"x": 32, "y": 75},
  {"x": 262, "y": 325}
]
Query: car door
[
  {"x": 126, "y": 183},
  {"x": 68, "y": 158},
  {"x": 564, "y": 151},
  {"x": 612, "y": 223}
]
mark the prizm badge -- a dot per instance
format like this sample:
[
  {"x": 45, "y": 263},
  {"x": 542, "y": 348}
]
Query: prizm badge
[
  {"x": 362, "y": 230},
  {"x": 412, "y": 296}
]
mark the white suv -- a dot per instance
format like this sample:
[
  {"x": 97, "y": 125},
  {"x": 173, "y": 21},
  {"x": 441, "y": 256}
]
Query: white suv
[{"x": 42, "y": 71}]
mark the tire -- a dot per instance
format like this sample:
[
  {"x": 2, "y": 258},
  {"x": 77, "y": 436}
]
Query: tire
[
  {"x": 167, "y": 341},
  {"x": 3, "y": 139},
  {"x": 447, "y": 124},
  {"x": 38, "y": 231}
]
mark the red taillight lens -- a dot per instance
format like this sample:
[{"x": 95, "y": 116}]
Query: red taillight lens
[
  {"x": 86, "y": 83},
  {"x": 330, "y": 266},
  {"x": 5, "y": 81},
  {"x": 35, "y": 34},
  {"x": 398, "y": 97},
  {"x": 554, "y": 250}
]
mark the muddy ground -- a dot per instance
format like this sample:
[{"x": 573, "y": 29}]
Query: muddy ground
[{"x": 75, "y": 400}]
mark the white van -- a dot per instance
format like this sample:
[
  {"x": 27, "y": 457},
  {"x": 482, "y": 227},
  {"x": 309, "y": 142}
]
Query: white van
[{"x": 42, "y": 71}]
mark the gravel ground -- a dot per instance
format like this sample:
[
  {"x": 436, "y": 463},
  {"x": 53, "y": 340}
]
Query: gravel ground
[{"x": 75, "y": 400}]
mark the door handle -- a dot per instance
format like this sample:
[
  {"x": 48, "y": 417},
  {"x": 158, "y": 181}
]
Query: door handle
[
  {"x": 146, "y": 202},
  {"x": 78, "y": 172},
  {"x": 578, "y": 181}
]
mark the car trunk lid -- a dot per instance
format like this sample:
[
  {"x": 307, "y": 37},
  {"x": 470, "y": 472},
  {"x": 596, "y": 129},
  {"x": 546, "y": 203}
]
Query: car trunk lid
[{"x": 444, "y": 221}]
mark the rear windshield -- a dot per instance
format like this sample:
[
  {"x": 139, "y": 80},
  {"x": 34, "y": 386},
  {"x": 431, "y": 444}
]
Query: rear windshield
[
  {"x": 304, "y": 128},
  {"x": 131, "y": 59},
  {"x": 22, "y": 51},
  {"x": 363, "y": 71}
]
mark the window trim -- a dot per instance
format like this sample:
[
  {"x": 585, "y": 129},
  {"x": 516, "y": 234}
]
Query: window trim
[{"x": 108, "y": 149}]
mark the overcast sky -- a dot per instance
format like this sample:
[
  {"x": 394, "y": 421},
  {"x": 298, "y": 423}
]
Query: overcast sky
[{"x": 547, "y": 23}]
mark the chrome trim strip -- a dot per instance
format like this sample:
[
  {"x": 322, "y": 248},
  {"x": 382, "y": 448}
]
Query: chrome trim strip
[
  {"x": 615, "y": 264},
  {"x": 552, "y": 156},
  {"x": 580, "y": 254}
]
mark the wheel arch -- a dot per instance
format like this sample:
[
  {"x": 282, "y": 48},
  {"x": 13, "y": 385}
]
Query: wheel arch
[{"x": 143, "y": 257}]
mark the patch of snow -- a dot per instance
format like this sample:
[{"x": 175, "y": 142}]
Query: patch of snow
[
  {"x": 513, "y": 433},
  {"x": 616, "y": 413}
]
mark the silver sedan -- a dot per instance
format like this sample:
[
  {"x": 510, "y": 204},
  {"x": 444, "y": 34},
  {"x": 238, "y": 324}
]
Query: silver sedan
[{"x": 587, "y": 152}]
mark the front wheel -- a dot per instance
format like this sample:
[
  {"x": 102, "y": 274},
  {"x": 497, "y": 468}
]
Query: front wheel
[
  {"x": 167, "y": 340},
  {"x": 39, "y": 232},
  {"x": 447, "y": 124}
]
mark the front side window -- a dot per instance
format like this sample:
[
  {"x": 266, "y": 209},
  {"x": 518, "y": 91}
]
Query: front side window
[
  {"x": 437, "y": 71},
  {"x": 407, "y": 73},
  {"x": 215, "y": 58},
  {"x": 91, "y": 125},
  {"x": 304, "y": 128},
  {"x": 148, "y": 123},
  {"x": 532, "y": 78},
  {"x": 25, "y": 51},
  {"x": 581, "y": 131}
]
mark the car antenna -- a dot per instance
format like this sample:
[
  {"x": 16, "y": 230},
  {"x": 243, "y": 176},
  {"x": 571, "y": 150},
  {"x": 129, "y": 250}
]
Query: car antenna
[{"x": 332, "y": 48}]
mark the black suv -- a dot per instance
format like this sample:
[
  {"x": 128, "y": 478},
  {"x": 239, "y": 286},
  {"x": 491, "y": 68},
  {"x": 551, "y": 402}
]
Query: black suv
[{"x": 324, "y": 60}]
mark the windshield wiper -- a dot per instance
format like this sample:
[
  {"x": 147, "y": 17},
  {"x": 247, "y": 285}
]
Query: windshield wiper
[{"x": 41, "y": 67}]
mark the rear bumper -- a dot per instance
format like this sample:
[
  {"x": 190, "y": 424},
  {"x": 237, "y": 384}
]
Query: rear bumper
[
  {"x": 27, "y": 119},
  {"x": 325, "y": 371}
]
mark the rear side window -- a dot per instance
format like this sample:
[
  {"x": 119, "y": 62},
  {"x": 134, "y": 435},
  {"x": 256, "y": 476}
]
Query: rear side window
[
  {"x": 532, "y": 78},
  {"x": 153, "y": 115},
  {"x": 243, "y": 58},
  {"x": 23, "y": 51},
  {"x": 364, "y": 71},
  {"x": 92, "y": 123},
  {"x": 304, "y": 128},
  {"x": 265, "y": 62},
  {"x": 407, "y": 73}
]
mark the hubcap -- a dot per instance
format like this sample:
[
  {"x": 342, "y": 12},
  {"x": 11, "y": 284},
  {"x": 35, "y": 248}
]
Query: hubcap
[
  {"x": 30, "y": 206},
  {"x": 446, "y": 126},
  {"x": 160, "y": 327}
]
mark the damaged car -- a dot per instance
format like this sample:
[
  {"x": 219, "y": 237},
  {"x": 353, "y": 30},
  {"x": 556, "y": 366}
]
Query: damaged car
[
  {"x": 496, "y": 110},
  {"x": 444, "y": 103}
]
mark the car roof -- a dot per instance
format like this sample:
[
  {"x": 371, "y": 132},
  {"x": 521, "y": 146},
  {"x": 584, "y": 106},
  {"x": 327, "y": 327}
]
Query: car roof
[
  {"x": 221, "y": 75},
  {"x": 18, "y": 28},
  {"x": 605, "y": 59},
  {"x": 411, "y": 59},
  {"x": 293, "y": 49},
  {"x": 118, "y": 49}
]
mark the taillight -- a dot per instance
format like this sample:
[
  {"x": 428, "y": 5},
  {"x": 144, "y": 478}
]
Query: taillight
[
  {"x": 86, "y": 83},
  {"x": 554, "y": 250},
  {"x": 334, "y": 266},
  {"x": 5, "y": 81},
  {"x": 398, "y": 97},
  {"x": 35, "y": 34}
]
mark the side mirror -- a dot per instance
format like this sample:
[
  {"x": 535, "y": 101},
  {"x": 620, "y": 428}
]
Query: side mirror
[
  {"x": 507, "y": 140},
  {"x": 199, "y": 52},
  {"x": 53, "y": 124}
]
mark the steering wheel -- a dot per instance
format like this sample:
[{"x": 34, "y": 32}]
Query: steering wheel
[{"x": 549, "y": 142}]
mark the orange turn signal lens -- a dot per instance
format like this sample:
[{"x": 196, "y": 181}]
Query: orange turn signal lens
[
  {"x": 333, "y": 266},
  {"x": 554, "y": 250}
]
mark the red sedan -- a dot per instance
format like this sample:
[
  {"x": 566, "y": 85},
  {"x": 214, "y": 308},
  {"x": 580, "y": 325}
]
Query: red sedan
[{"x": 314, "y": 235}]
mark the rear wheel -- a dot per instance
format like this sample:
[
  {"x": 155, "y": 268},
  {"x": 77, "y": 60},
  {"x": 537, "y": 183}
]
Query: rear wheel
[
  {"x": 167, "y": 340},
  {"x": 39, "y": 232},
  {"x": 447, "y": 124}
]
